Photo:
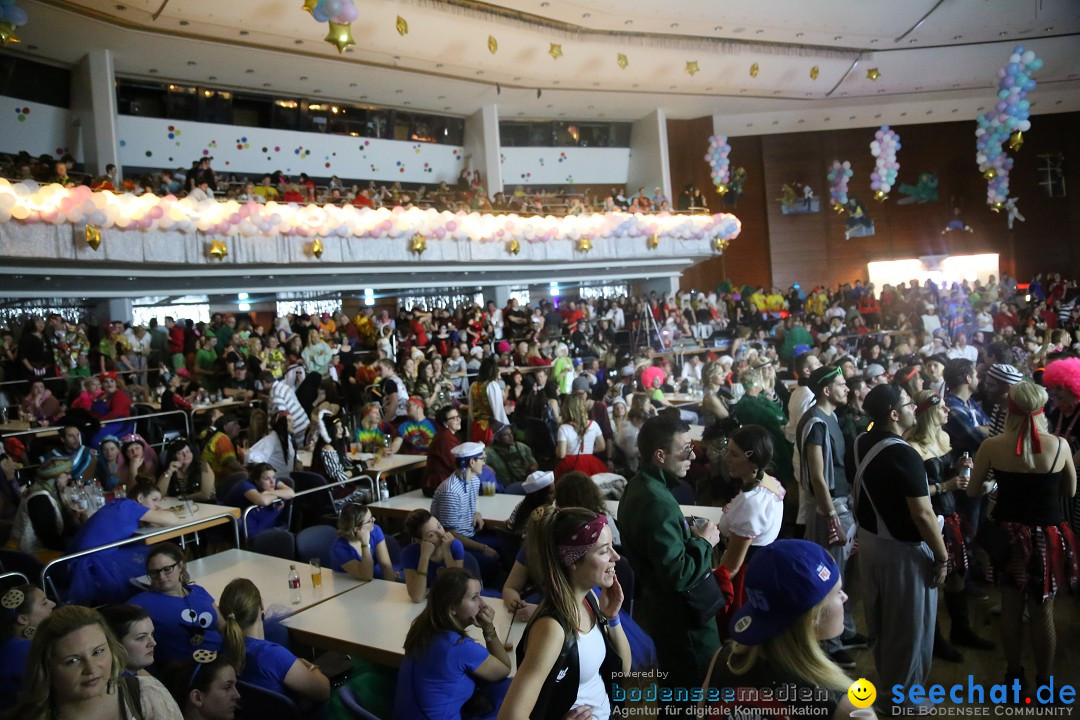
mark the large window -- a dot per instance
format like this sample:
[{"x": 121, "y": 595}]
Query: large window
[
  {"x": 37, "y": 82},
  {"x": 572, "y": 133}
]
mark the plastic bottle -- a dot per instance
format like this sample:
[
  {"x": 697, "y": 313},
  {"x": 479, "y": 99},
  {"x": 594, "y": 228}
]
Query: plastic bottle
[
  {"x": 294, "y": 586},
  {"x": 965, "y": 471},
  {"x": 384, "y": 490}
]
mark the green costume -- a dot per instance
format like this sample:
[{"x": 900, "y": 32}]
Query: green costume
[
  {"x": 667, "y": 559},
  {"x": 760, "y": 410},
  {"x": 510, "y": 464}
]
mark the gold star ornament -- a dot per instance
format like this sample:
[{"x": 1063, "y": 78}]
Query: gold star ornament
[
  {"x": 419, "y": 244},
  {"x": 990, "y": 174},
  {"x": 692, "y": 68},
  {"x": 317, "y": 248},
  {"x": 873, "y": 74},
  {"x": 720, "y": 244},
  {"x": 340, "y": 36},
  {"x": 621, "y": 60},
  {"x": 7, "y": 34},
  {"x": 514, "y": 246},
  {"x": 881, "y": 195},
  {"x": 1016, "y": 140},
  {"x": 218, "y": 250},
  {"x": 653, "y": 242},
  {"x": 814, "y": 71},
  {"x": 754, "y": 70},
  {"x": 555, "y": 51},
  {"x": 93, "y": 236},
  {"x": 584, "y": 245},
  {"x": 402, "y": 26},
  {"x": 493, "y": 44}
]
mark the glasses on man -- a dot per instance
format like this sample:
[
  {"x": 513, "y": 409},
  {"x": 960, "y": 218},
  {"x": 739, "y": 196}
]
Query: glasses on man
[
  {"x": 687, "y": 452},
  {"x": 162, "y": 571}
]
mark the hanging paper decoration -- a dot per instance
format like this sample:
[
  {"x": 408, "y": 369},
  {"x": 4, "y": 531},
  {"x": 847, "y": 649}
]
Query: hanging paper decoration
[
  {"x": 93, "y": 236},
  {"x": 692, "y": 68},
  {"x": 493, "y": 44},
  {"x": 11, "y": 16},
  {"x": 884, "y": 146},
  {"x": 717, "y": 157},
  {"x": 839, "y": 174},
  {"x": 1007, "y": 120},
  {"x": 555, "y": 51},
  {"x": 621, "y": 60},
  {"x": 402, "y": 26}
]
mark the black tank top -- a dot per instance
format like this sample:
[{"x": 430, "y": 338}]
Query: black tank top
[{"x": 1030, "y": 498}]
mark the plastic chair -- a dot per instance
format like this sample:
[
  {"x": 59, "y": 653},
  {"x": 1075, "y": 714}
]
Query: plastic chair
[
  {"x": 275, "y": 542},
  {"x": 257, "y": 703},
  {"x": 315, "y": 542},
  {"x": 351, "y": 703}
]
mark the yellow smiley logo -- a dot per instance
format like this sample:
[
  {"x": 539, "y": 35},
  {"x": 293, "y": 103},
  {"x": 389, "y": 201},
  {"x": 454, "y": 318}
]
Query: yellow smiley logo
[{"x": 862, "y": 693}]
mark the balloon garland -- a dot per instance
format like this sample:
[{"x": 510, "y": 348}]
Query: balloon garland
[
  {"x": 717, "y": 157},
  {"x": 28, "y": 202},
  {"x": 1009, "y": 119},
  {"x": 884, "y": 146},
  {"x": 839, "y": 174}
]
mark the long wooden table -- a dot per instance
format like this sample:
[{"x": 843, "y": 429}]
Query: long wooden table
[
  {"x": 496, "y": 509},
  {"x": 204, "y": 512},
  {"x": 270, "y": 575},
  {"x": 390, "y": 465},
  {"x": 372, "y": 620}
]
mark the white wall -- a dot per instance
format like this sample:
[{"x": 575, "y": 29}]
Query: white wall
[
  {"x": 146, "y": 142},
  {"x": 649, "y": 166},
  {"x": 42, "y": 130},
  {"x": 564, "y": 166}
]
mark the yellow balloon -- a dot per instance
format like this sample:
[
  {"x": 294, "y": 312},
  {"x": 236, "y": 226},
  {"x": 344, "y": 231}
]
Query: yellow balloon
[
  {"x": 754, "y": 70},
  {"x": 721, "y": 189},
  {"x": 997, "y": 206},
  {"x": 93, "y": 236},
  {"x": 340, "y": 35}
]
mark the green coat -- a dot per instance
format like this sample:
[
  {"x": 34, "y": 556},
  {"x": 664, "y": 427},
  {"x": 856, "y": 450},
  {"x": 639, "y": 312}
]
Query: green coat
[{"x": 666, "y": 559}]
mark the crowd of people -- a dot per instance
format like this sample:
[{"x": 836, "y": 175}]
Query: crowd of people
[{"x": 936, "y": 426}]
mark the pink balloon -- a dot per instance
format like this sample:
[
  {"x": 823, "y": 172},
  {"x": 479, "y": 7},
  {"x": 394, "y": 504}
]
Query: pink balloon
[
  {"x": 440, "y": 233},
  {"x": 451, "y": 226}
]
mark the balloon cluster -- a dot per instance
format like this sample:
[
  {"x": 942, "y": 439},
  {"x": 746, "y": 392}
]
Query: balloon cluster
[
  {"x": 839, "y": 174},
  {"x": 340, "y": 14},
  {"x": 717, "y": 157},
  {"x": 1009, "y": 117},
  {"x": 31, "y": 203},
  {"x": 884, "y": 146},
  {"x": 11, "y": 16}
]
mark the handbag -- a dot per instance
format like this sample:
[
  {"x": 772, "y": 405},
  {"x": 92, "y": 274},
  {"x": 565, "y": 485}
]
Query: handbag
[{"x": 703, "y": 599}]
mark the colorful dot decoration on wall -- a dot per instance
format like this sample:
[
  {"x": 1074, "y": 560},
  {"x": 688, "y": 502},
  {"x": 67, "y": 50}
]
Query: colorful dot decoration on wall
[
  {"x": 427, "y": 167},
  {"x": 417, "y": 147},
  {"x": 562, "y": 156},
  {"x": 301, "y": 151},
  {"x": 174, "y": 132},
  {"x": 526, "y": 176},
  {"x": 21, "y": 113},
  {"x": 123, "y": 143}
]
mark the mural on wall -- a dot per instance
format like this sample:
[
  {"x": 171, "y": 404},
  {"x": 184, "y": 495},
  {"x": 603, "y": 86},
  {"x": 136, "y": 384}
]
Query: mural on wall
[
  {"x": 798, "y": 199},
  {"x": 925, "y": 191},
  {"x": 564, "y": 166},
  {"x": 858, "y": 223},
  {"x": 157, "y": 143}
]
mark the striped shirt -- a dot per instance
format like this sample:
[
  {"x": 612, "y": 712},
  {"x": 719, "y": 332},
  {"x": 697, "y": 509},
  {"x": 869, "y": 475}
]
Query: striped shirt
[
  {"x": 454, "y": 504},
  {"x": 283, "y": 397}
]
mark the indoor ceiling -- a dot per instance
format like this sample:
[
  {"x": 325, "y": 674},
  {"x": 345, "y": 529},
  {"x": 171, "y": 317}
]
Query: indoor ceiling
[{"x": 936, "y": 59}]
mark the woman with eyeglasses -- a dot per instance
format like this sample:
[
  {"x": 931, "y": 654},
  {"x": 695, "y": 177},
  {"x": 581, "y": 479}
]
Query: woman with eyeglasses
[
  {"x": 183, "y": 613},
  {"x": 261, "y": 662},
  {"x": 204, "y": 688},
  {"x": 103, "y": 576},
  {"x": 432, "y": 549},
  {"x": 186, "y": 474},
  {"x": 944, "y": 473},
  {"x": 360, "y": 549},
  {"x": 132, "y": 626},
  {"x": 75, "y": 670},
  {"x": 22, "y": 609}
]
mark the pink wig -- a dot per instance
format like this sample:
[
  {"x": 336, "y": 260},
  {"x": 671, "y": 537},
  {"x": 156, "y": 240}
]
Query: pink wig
[{"x": 1064, "y": 373}]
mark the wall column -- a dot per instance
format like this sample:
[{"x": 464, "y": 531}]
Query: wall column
[
  {"x": 649, "y": 166},
  {"x": 482, "y": 147},
  {"x": 93, "y": 110}
]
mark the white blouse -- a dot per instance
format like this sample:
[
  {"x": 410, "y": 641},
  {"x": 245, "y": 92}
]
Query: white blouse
[
  {"x": 574, "y": 446},
  {"x": 756, "y": 514}
]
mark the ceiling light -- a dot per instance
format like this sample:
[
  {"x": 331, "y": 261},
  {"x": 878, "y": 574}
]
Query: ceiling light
[
  {"x": 544, "y": 4},
  {"x": 303, "y": 77},
  {"x": 1002, "y": 33},
  {"x": 1048, "y": 29},
  {"x": 212, "y": 77},
  {"x": 121, "y": 8},
  {"x": 183, "y": 23},
  {"x": 675, "y": 25},
  {"x": 586, "y": 16},
  {"x": 838, "y": 37},
  {"x": 718, "y": 28},
  {"x": 912, "y": 41},
  {"x": 799, "y": 34},
  {"x": 244, "y": 32},
  {"x": 191, "y": 63},
  {"x": 153, "y": 71},
  {"x": 298, "y": 42},
  {"x": 398, "y": 92},
  {"x": 759, "y": 32},
  {"x": 957, "y": 37},
  {"x": 629, "y": 22},
  {"x": 250, "y": 71},
  {"x": 352, "y": 84},
  {"x": 873, "y": 41}
]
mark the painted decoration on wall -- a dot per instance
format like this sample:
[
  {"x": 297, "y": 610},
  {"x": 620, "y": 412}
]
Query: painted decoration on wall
[
  {"x": 858, "y": 223},
  {"x": 925, "y": 191},
  {"x": 798, "y": 199}
]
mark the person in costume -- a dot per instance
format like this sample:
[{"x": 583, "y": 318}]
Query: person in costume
[{"x": 22, "y": 609}]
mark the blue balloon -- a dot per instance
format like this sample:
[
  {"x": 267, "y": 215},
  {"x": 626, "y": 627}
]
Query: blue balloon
[
  {"x": 1035, "y": 65},
  {"x": 320, "y": 14},
  {"x": 16, "y": 15}
]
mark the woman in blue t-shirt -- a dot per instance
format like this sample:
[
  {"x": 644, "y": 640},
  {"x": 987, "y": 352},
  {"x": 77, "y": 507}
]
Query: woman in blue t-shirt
[
  {"x": 259, "y": 661},
  {"x": 431, "y": 550},
  {"x": 442, "y": 664},
  {"x": 104, "y": 576},
  {"x": 22, "y": 609},
  {"x": 359, "y": 545},
  {"x": 183, "y": 613},
  {"x": 262, "y": 488}
]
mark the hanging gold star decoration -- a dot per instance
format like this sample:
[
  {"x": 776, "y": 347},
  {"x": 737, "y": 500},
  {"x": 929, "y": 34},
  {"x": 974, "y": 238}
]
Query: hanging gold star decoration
[
  {"x": 653, "y": 242},
  {"x": 493, "y": 44},
  {"x": 340, "y": 36},
  {"x": 93, "y": 236},
  {"x": 555, "y": 51},
  {"x": 309, "y": 5},
  {"x": 990, "y": 174},
  {"x": 881, "y": 195},
  {"x": 7, "y": 34},
  {"x": 419, "y": 244},
  {"x": 218, "y": 250},
  {"x": 873, "y": 74},
  {"x": 584, "y": 245},
  {"x": 838, "y": 208},
  {"x": 402, "y": 26},
  {"x": 692, "y": 67},
  {"x": 317, "y": 248},
  {"x": 720, "y": 244},
  {"x": 514, "y": 246},
  {"x": 754, "y": 70},
  {"x": 814, "y": 72},
  {"x": 721, "y": 189},
  {"x": 621, "y": 61},
  {"x": 1016, "y": 140},
  {"x": 997, "y": 206}
]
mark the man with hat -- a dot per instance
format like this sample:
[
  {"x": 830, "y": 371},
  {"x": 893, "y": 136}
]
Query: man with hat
[
  {"x": 999, "y": 379},
  {"x": 417, "y": 431},
  {"x": 874, "y": 375},
  {"x": 43, "y": 521},
  {"x": 934, "y": 370},
  {"x": 511, "y": 461},
  {"x": 240, "y": 385},
  {"x": 824, "y": 483},
  {"x": 903, "y": 556},
  {"x": 83, "y": 460},
  {"x": 454, "y": 504}
]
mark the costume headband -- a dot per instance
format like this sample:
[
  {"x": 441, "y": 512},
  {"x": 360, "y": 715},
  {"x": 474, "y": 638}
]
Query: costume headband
[
  {"x": 1033, "y": 431},
  {"x": 577, "y": 544}
]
